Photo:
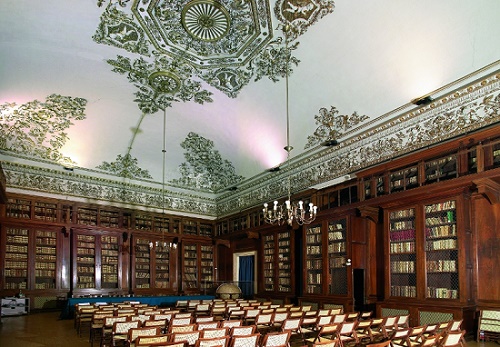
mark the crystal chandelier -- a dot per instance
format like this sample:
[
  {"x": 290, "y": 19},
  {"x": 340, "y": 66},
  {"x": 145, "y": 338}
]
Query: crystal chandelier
[{"x": 287, "y": 213}]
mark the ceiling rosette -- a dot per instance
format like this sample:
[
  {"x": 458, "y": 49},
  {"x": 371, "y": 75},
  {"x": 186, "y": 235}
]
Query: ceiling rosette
[{"x": 225, "y": 41}]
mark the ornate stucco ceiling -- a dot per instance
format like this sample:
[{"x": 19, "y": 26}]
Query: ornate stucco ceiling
[{"x": 88, "y": 84}]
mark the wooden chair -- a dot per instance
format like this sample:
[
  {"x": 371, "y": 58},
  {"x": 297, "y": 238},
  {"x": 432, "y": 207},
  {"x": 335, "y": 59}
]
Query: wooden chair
[
  {"x": 278, "y": 319},
  {"x": 242, "y": 330},
  {"x": 250, "y": 315},
  {"x": 212, "y": 333},
  {"x": 190, "y": 336},
  {"x": 157, "y": 341},
  {"x": 207, "y": 325},
  {"x": 352, "y": 316},
  {"x": 329, "y": 343},
  {"x": 363, "y": 331},
  {"x": 119, "y": 333},
  {"x": 231, "y": 323},
  {"x": 181, "y": 328},
  {"x": 385, "y": 343},
  {"x": 400, "y": 338},
  {"x": 339, "y": 318},
  {"x": 347, "y": 333},
  {"x": 264, "y": 322},
  {"x": 161, "y": 323},
  {"x": 97, "y": 323},
  {"x": 245, "y": 340},
  {"x": 403, "y": 321},
  {"x": 415, "y": 338},
  {"x": 218, "y": 341},
  {"x": 453, "y": 339},
  {"x": 180, "y": 321},
  {"x": 107, "y": 328},
  {"x": 84, "y": 318},
  {"x": 134, "y": 333},
  {"x": 293, "y": 326},
  {"x": 276, "y": 339},
  {"x": 327, "y": 332}
]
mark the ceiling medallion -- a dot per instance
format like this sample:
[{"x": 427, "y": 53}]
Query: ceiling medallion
[
  {"x": 165, "y": 82},
  {"x": 206, "y": 33},
  {"x": 205, "y": 20}
]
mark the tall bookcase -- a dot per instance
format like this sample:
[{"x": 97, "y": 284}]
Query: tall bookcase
[
  {"x": 277, "y": 263},
  {"x": 402, "y": 253},
  {"x": 142, "y": 264},
  {"x": 190, "y": 266},
  {"x": 425, "y": 237},
  {"x": 45, "y": 259},
  {"x": 285, "y": 280},
  {"x": 337, "y": 257},
  {"x": 314, "y": 260},
  {"x": 441, "y": 248},
  {"x": 109, "y": 262},
  {"x": 269, "y": 263},
  {"x": 85, "y": 261},
  {"x": 16, "y": 258}
]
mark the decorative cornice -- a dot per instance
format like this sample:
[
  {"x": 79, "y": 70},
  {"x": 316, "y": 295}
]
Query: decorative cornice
[
  {"x": 103, "y": 190},
  {"x": 466, "y": 109}
]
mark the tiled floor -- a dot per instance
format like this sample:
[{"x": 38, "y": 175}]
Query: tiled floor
[{"x": 46, "y": 329}]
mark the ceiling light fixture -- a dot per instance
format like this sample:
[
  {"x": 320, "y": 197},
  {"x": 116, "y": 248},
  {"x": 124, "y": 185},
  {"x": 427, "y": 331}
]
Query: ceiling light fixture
[
  {"x": 423, "y": 100},
  {"x": 287, "y": 213}
]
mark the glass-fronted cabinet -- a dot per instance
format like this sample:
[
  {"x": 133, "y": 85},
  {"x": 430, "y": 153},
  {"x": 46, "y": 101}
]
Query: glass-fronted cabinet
[
  {"x": 402, "y": 253},
  {"x": 314, "y": 259},
  {"x": 337, "y": 257}
]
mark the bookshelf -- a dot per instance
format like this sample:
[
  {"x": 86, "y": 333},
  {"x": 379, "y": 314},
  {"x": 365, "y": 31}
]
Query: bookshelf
[
  {"x": 206, "y": 230},
  {"x": 87, "y": 216},
  {"x": 143, "y": 221},
  {"x": 207, "y": 267},
  {"x": 189, "y": 227},
  {"x": 162, "y": 266},
  {"x": 314, "y": 260},
  {"x": 441, "y": 248},
  {"x": 268, "y": 263},
  {"x": 402, "y": 251},
  {"x": 403, "y": 179},
  {"x": 44, "y": 211},
  {"x": 109, "y": 262},
  {"x": 337, "y": 257},
  {"x": 85, "y": 261},
  {"x": 16, "y": 258},
  {"x": 142, "y": 264},
  {"x": 161, "y": 224},
  {"x": 18, "y": 208},
  {"x": 441, "y": 169},
  {"x": 285, "y": 262},
  {"x": 109, "y": 219},
  {"x": 190, "y": 266},
  {"x": 45, "y": 259}
]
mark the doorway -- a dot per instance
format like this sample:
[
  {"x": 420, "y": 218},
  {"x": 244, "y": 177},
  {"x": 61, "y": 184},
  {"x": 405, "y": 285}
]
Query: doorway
[{"x": 245, "y": 272}]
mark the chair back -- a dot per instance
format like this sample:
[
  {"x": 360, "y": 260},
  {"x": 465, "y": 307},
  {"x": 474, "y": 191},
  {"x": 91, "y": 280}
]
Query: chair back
[
  {"x": 207, "y": 325},
  {"x": 190, "y": 336},
  {"x": 155, "y": 340},
  {"x": 181, "y": 328},
  {"x": 211, "y": 333},
  {"x": 231, "y": 323},
  {"x": 243, "y": 330},
  {"x": 276, "y": 339},
  {"x": 218, "y": 341},
  {"x": 134, "y": 333},
  {"x": 245, "y": 341}
]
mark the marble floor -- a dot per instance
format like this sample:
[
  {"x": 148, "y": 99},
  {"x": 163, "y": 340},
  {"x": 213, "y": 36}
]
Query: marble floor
[{"x": 46, "y": 329}]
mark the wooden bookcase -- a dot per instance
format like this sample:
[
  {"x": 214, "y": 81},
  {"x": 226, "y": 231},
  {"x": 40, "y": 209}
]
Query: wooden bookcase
[
  {"x": 277, "y": 263},
  {"x": 197, "y": 267},
  {"x": 314, "y": 260},
  {"x": 337, "y": 257}
]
